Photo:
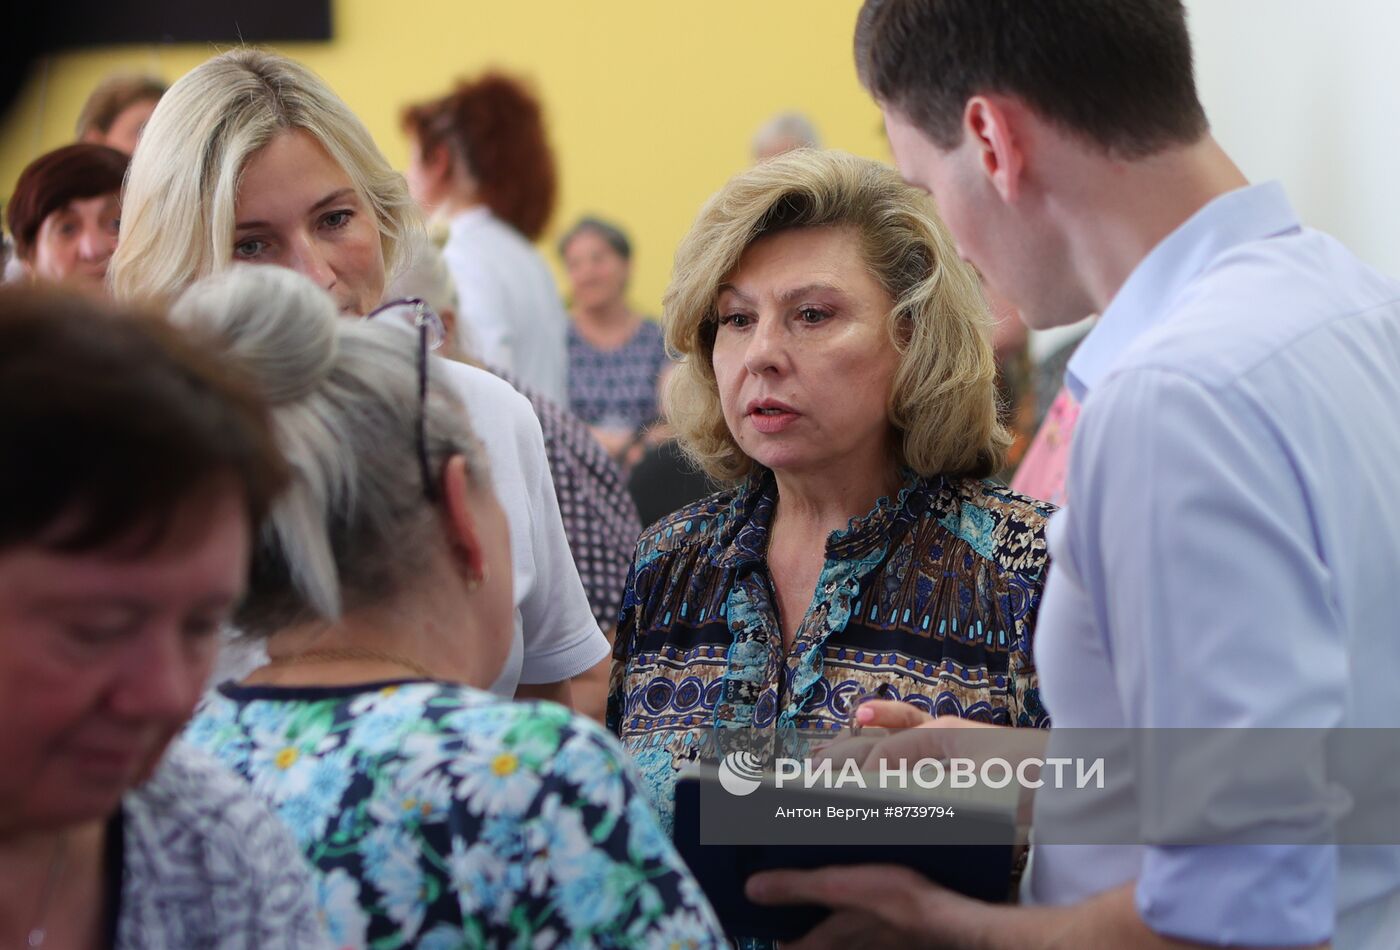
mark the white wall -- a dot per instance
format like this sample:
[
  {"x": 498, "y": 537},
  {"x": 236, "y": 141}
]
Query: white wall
[{"x": 1308, "y": 92}]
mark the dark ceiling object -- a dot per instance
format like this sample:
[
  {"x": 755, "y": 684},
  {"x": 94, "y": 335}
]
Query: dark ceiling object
[
  {"x": 89, "y": 23},
  {"x": 40, "y": 27},
  {"x": 24, "y": 40}
]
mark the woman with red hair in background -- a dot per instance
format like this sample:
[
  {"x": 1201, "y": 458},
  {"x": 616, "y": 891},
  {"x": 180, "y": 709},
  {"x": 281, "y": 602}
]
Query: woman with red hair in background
[{"x": 480, "y": 158}]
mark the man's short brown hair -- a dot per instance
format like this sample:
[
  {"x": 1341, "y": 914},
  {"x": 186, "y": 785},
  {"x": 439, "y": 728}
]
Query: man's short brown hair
[{"x": 1116, "y": 72}]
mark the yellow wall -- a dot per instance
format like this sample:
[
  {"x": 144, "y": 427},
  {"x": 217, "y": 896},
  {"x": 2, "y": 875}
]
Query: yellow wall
[{"x": 651, "y": 103}]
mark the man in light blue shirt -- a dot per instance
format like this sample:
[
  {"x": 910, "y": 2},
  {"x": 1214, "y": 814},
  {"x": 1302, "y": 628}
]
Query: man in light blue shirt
[{"x": 1230, "y": 548}]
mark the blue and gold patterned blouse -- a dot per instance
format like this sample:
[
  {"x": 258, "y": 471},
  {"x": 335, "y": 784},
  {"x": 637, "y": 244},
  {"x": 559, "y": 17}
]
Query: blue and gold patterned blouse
[{"x": 930, "y": 599}]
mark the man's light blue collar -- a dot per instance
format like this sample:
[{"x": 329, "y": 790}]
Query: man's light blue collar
[{"x": 1147, "y": 296}]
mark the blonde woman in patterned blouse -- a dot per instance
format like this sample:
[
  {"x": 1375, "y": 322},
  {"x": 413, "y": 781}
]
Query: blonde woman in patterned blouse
[{"x": 837, "y": 373}]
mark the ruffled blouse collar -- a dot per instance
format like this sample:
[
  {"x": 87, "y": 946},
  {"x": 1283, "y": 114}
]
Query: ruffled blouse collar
[{"x": 753, "y": 506}]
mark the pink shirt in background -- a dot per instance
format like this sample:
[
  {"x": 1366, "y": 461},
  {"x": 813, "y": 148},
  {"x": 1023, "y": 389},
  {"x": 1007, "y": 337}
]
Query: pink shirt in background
[{"x": 1041, "y": 473}]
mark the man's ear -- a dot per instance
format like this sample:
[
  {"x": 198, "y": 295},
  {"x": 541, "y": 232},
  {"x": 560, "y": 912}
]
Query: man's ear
[
  {"x": 459, "y": 523},
  {"x": 992, "y": 125}
]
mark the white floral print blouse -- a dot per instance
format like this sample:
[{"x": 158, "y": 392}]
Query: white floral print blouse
[{"x": 440, "y": 816}]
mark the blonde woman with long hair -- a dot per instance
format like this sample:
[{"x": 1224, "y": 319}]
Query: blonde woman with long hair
[{"x": 251, "y": 158}]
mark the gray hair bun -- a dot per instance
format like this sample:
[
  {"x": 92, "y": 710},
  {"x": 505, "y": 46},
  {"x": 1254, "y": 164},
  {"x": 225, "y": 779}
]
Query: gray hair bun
[
  {"x": 354, "y": 526},
  {"x": 279, "y": 327},
  {"x": 281, "y": 330}
]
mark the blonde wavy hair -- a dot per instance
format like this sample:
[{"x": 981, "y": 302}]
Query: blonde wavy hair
[
  {"x": 943, "y": 401},
  {"x": 178, "y": 207}
]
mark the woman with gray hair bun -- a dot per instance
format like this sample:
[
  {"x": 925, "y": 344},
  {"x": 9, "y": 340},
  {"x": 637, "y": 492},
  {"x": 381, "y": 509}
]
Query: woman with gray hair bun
[
  {"x": 436, "y": 814},
  {"x": 783, "y": 133}
]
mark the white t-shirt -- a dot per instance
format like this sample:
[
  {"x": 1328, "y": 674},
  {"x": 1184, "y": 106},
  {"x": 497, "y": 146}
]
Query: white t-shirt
[
  {"x": 507, "y": 296},
  {"x": 555, "y": 636}
]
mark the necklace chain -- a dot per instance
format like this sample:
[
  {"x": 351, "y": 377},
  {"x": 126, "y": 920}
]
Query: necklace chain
[
  {"x": 39, "y": 932},
  {"x": 341, "y": 654}
]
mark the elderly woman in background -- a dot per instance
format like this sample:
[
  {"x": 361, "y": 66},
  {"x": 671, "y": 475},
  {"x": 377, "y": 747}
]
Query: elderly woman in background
[
  {"x": 616, "y": 356},
  {"x": 139, "y": 474},
  {"x": 783, "y": 133},
  {"x": 65, "y": 213},
  {"x": 437, "y": 814},
  {"x": 837, "y": 372},
  {"x": 251, "y": 158},
  {"x": 117, "y": 111},
  {"x": 480, "y": 158}
]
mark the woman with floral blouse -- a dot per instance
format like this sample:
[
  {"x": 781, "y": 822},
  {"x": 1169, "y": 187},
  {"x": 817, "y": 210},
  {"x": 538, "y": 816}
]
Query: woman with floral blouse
[{"x": 436, "y": 814}]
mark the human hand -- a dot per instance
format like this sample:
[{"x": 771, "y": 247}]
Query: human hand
[
  {"x": 905, "y": 732},
  {"x": 874, "y": 906}
]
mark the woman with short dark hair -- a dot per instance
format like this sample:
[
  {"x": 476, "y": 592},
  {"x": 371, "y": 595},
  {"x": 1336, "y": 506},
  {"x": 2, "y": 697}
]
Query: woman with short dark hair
[
  {"x": 65, "y": 212},
  {"x": 140, "y": 473}
]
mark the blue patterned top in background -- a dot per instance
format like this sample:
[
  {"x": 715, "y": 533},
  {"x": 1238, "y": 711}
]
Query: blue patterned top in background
[
  {"x": 616, "y": 389},
  {"x": 930, "y": 599},
  {"x": 439, "y": 816}
]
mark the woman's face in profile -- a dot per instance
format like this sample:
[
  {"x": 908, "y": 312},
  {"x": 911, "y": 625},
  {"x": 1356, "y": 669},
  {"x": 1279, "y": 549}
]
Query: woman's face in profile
[
  {"x": 426, "y": 175},
  {"x": 297, "y": 208},
  {"x": 104, "y": 654},
  {"x": 803, "y": 356}
]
